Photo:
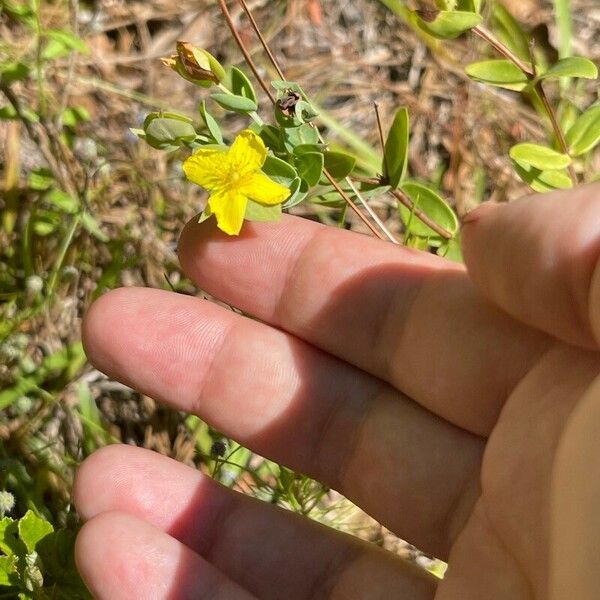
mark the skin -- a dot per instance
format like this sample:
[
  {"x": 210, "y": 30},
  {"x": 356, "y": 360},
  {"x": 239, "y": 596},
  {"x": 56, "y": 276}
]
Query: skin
[{"x": 460, "y": 406}]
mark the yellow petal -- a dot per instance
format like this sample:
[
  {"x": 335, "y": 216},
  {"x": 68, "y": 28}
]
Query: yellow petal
[
  {"x": 263, "y": 190},
  {"x": 229, "y": 208},
  {"x": 247, "y": 153},
  {"x": 207, "y": 167}
]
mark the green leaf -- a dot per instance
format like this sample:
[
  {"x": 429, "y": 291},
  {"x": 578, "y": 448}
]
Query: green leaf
[
  {"x": 298, "y": 192},
  {"x": 271, "y": 136},
  {"x": 16, "y": 71},
  {"x": 238, "y": 104},
  {"x": 574, "y": 66},
  {"x": 543, "y": 181},
  {"x": 310, "y": 167},
  {"x": 10, "y": 544},
  {"x": 92, "y": 227},
  {"x": 63, "y": 201},
  {"x": 395, "y": 161},
  {"x": 280, "y": 171},
  {"x": 339, "y": 164},
  {"x": 259, "y": 212},
  {"x": 584, "y": 135},
  {"x": 296, "y": 136},
  {"x": 75, "y": 115},
  {"x": 166, "y": 132},
  {"x": 445, "y": 24},
  {"x": 510, "y": 31},
  {"x": 241, "y": 85},
  {"x": 451, "y": 250},
  {"x": 498, "y": 72},
  {"x": 40, "y": 179},
  {"x": 304, "y": 148},
  {"x": 539, "y": 157},
  {"x": 8, "y": 571},
  {"x": 61, "y": 43},
  {"x": 211, "y": 123},
  {"x": 432, "y": 204},
  {"x": 32, "y": 529}
]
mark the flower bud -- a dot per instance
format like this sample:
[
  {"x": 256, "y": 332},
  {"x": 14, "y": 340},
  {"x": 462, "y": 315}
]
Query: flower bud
[{"x": 196, "y": 65}]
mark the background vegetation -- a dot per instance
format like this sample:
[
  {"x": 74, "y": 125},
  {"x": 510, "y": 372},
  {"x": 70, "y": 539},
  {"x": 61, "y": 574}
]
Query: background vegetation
[{"x": 86, "y": 207}]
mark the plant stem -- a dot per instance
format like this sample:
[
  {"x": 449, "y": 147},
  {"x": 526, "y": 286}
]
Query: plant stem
[
  {"x": 64, "y": 248},
  {"x": 244, "y": 50},
  {"x": 408, "y": 203},
  {"x": 260, "y": 36},
  {"x": 530, "y": 72},
  {"x": 491, "y": 39},
  {"x": 251, "y": 64}
]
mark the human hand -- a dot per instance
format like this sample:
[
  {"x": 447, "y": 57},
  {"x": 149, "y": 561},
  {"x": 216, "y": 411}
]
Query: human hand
[{"x": 391, "y": 375}]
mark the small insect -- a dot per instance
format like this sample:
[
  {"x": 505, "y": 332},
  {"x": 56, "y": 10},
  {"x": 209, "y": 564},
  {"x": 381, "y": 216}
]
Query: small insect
[{"x": 287, "y": 104}]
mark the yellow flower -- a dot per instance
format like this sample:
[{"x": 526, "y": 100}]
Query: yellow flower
[{"x": 233, "y": 177}]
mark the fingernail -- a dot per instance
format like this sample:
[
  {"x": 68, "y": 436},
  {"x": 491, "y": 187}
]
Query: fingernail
[{"x": 477, "y": 213}]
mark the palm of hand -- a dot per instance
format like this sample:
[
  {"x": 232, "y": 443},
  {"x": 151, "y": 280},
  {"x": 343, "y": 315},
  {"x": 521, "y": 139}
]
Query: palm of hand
[{"x": 459, "y": 462}]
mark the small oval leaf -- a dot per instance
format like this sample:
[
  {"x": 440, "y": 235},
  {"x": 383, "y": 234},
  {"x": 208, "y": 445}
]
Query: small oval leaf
[
  {"x": 241, "y": 85},
  {"x": 395, "y": 157},
  {"x": 539, "y": 157},
  {"x": 432, "y": 204},
  {"x": 573, "y": 66},
  {"x": 543, "y": 181},
  {"x": 339, "y": 164},
  {"x": 499, "y": 72},
  {"x": 238, "y": 104},
  {"x": 446, "y": 24},
  {"x": 310, "y": 167},
  {"x": 584, "y": 135},
  {"x": 211, "y": 123}
]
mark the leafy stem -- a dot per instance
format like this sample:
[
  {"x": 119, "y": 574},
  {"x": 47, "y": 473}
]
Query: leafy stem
[{"x": 529, "y": 71}]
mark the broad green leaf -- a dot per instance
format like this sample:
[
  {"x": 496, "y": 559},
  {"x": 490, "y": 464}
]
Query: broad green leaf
[
  {"x": 239, "y": 104},
  {"x": 8, "y": 571},
  {"x": 339, "y": 164},
  {"x": 567, "y": 114},
  {"x": 45, "y": 223},
  {"x": 310, "y": 167},
  {"x": 446, "y": 24},
  {"x": 539, "y": 157},
  {"x": 211, "y": 123},
  {"x": 280, "y": 171},
  {"x": 543, "y": 181},
  {"x": 61, "y": 43},
  {"x": 10, "y": 544},
  {"x": 432, "y": 204},
  {"x": 451, "y": 250},
  {"x": 584, "y": 135},
  {"x": 259, "y": 212},
  {"x": 498, "y": 72},
  {"x": 304, "y": 134},
  {"x": 166, "y": 132},
  {"x": 241, "y": 85},
  {"x": 574, "y": 66},
  {"x": 395, "y": 160},
  {"x": 32, "y": 529},
  {"x": 304, "y": 148}
]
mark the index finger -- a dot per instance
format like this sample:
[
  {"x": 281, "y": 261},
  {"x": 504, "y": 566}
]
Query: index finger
[{"x": 408, "y": 317}]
